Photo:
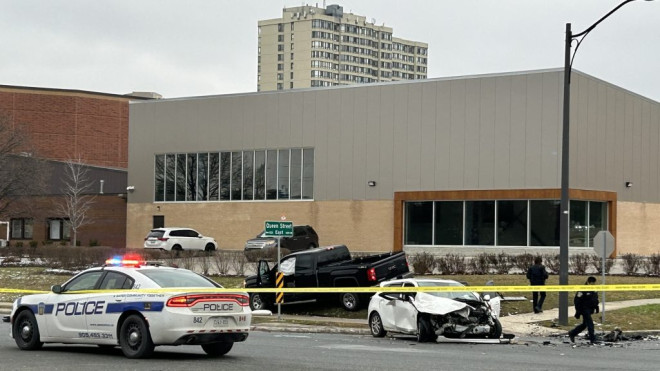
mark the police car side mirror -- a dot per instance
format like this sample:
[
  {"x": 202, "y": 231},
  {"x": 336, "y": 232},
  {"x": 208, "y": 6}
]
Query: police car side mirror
[{"x": 56, "y": 289}]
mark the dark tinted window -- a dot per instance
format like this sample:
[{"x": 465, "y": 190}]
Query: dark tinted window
[
  {"x": 304, "y": 261},
  {"x": 115, "y": 281},
  {"x": 334, "y": 255},
  {"x": 157, "y": 234},
  {"x": 299, "y": 231},
  {"x": 192, "y": 233},
  {"x": 85, "y": 281}
]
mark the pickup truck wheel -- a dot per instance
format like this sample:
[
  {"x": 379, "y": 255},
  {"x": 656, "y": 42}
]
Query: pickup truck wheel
[
  {"x": 425, "y": 332},
  {"x": 376, "y": 325},
  {"x": 350, "y": 301},
  {"x": 257, "y": 302}
]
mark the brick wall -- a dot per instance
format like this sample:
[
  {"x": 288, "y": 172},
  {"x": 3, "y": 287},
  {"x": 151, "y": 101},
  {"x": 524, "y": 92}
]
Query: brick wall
[
  {"x": 108, "y": 214},
  {"x": 65, "y": 124}
]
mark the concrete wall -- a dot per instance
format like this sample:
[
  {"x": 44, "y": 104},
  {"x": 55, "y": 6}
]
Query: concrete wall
[{"x": 360, "y": 225}]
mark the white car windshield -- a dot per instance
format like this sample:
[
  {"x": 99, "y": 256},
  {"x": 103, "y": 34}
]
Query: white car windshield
[
  {"x": 177, "y": 278},
  {"x": 448, "y": 294}
]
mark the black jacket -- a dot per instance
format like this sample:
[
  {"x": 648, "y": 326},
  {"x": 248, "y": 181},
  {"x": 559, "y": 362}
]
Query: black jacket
[
  {"x": 586, "y": 301},
  {"x": 536, "y": 274}
]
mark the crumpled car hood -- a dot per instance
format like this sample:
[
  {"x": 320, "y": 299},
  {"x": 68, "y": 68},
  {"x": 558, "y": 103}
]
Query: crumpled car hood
[{"x": 427, "y": 303}]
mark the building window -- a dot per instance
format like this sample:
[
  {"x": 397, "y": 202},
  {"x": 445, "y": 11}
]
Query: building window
[
  {"x": 280, "y": 48},
  {"x": 280, "y": 66},
  {"x": 59, "y": 229},
  {"x": 506, "y": 223},
  {"x": 280, "y": 57},
  {"x": 160, "y": 178},
  {"x": 480, "y": 223},
  {"x": 280, "y": 27},
  {"x": 280, "y": 38},
  {"x": 280, "y": 76},
  {"x": 419, "y": 223},
  {"x": 21, "y": 229},
  {"x": 512, "y": 223},
  {"x": 244, "y": 175},
  {"x": 448, "y": 224}
]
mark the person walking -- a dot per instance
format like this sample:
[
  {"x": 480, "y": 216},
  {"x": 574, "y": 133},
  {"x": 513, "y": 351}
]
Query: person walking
[
  {"x": 537, "y": 274},
  {"x": 586, "y": 302}
]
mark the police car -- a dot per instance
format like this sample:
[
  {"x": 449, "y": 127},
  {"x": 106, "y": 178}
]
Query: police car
[{"x": 134, "y": 305}]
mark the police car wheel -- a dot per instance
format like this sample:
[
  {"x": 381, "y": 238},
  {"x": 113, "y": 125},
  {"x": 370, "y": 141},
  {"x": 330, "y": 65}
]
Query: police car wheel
[
  {"x": 26, "y": 331},
  {"x": 217, "y": 349},
  {"x": 134, "y": 338}
]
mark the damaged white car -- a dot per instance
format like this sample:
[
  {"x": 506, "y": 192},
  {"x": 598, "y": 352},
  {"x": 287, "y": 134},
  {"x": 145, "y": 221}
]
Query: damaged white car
[{"x": 452, "y": 314}]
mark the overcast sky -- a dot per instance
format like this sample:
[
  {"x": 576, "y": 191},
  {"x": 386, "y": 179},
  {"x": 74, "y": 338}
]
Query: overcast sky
[{"x": 208, "y": 47}]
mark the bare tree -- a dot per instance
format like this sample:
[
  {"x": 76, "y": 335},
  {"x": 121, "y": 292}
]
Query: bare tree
[
  {"x": 78, "y": 198},
  {"x": 21, "y": 173}
]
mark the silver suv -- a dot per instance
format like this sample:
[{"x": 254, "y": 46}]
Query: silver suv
[{"x": 178, "y": 239}]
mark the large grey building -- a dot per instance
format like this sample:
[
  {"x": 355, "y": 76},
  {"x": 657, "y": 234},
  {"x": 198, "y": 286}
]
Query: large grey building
[
  {"x": 463, "y": 163},
  {"x": 313, "y": 47}
]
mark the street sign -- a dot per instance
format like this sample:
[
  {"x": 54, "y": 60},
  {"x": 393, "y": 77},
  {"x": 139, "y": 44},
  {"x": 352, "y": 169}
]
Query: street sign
[
  {"x": 604, "y": 244},
  {"x": 278, "y": 229}
]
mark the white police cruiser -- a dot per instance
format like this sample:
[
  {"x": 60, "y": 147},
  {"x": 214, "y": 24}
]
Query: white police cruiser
[{"x": 134, "y": 305}]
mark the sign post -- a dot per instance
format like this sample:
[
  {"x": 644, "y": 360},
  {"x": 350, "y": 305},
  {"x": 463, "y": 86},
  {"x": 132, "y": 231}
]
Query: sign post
[
  {"x": 603, "y": 247},
  {"x": 279, "y": 229}
]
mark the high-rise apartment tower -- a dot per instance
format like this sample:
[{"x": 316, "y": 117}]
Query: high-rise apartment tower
[{"x": 312, "y": 47}]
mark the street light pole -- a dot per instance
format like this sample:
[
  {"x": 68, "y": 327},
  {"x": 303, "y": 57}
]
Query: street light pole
[{"x": 564, "y": 217}]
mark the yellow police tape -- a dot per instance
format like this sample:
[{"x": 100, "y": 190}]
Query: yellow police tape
[{"x": 370, "y": 289}]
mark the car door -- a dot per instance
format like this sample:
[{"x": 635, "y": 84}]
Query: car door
[
  {"x": 386, "y": 308},
  {"x": 68, "y": 320},
  {"x": 405, "y": 313},
  {"x": 194, "y": 240},
  {"x": 102, "y": 322}
]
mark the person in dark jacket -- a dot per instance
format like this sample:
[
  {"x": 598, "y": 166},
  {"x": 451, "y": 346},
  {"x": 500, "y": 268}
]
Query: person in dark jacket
[
  {"x": 536, "y": 274},
  {"x": 586, "y": 302}
]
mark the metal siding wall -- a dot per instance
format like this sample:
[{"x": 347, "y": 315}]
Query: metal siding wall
[
  {"x": 502, "y": 137},
  {"x": 346, "y": 122},
  {"x": 487, "y": 134},
  {"x": 428, "y": 133},
  {"x": 457, "y": 135},
  {"x": 372, "y": 146},
  {"x": 615, "y": 138},
  {"x": 517, "y": 145},
  {"x": 359, "y": 160},
  {"x": 321, "y": 147},
  {"x": 334, "y": 147},
  {"x": 387, "y": 157},
  {"x": 471, "y": 142},
  {"x": 533, "y": 131},
  {"x": 551, "y": 130},
  {"x": 400, "y": 143},
  {"x": 414, "y": 137},
  {"x": 297, "y": 125},
  {"x": 442, "y": 134}
]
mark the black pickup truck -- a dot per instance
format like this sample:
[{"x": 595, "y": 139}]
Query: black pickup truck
[{"x": 330, "y": 266}]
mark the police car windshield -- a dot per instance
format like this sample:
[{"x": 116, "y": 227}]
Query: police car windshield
[{"x": 177, "y": 278}]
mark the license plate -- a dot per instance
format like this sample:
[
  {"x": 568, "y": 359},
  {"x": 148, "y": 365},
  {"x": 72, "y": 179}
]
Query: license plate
[{"x": 220, "y": 322}]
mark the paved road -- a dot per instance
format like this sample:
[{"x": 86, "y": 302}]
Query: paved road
[{"x": 292, "y": 351}]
